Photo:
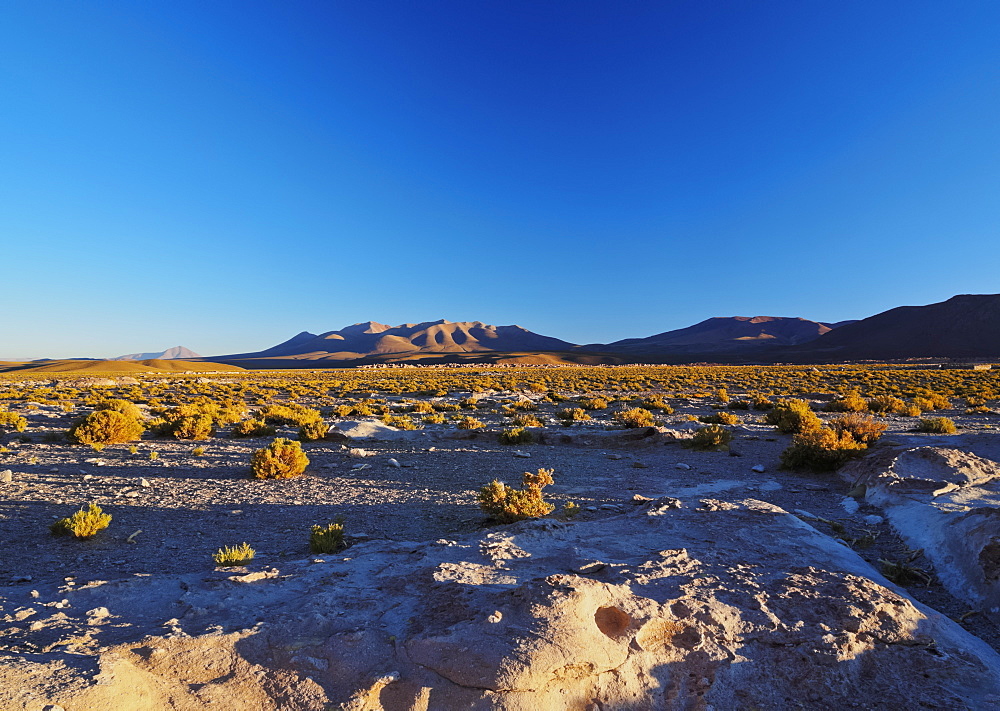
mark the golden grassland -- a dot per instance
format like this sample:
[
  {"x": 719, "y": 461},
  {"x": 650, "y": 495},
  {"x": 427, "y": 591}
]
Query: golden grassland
[{"x": 124, "y": 367}]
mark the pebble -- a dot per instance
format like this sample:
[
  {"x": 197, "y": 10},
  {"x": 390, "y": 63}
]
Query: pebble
[
  {"x": 523, "y": 455},
  {"x": 6, "y": 476},
  {"x": 759, "y": 468},
  {"x": 393, "y": 463},
  {"x": 144, "y": 483},
  {"x": 873, "y": 520},
  {"x": 21, "y": 579},
  {"x": 615, "y": 456},
  {"x": 495, "y": 617},
  {"x": 682, "y": 465}
]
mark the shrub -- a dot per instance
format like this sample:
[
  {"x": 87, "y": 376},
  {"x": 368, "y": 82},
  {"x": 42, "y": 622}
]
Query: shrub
[
  {"x": 423, "y": 408},
  {"x": 593, "y": 403},
  {"x": 636, "y": 417},
  {"x": 327, "y": 539},
  {"x": 106, "y": 427},
  {"x": 313, "y": 430},
  {"x": 237, "y": 555},
  {"x": 570, "y": 415},
  {"x": 435, "y": 419},
  {"x": 517, "y": 435},
  {"x": 252, "y": 428},
  {"x": 291, "y": 414},
  {"x": 711, "y": 437},
  {"x": 469, "y": 423},
  {"x": 720, "y": 418},
  {"x": 507, "y": 504},
  {"x": 282, "y": 459},
  {"x": 192, "y": 427},
  {"x": 886, "y": 403},
  {"x": 937, "y": 425},
  {"x": 401, "y": 422},
  {"x": 198, "y": 451},
  {"x": 793, "y": 416},
  {"x": 343, "y": 410},
  {"x": 13, "y": 421},
  {"x": 527, "y": 420},
  {"x": 821, "y": 450},
  {"x": 929, "y": 400},
  {"x": 862, "y": 428},
  {"x": 123, "y": 406},
  {"x": 525, "y": 405},
  {"x": 761, "y": 402},
  {"x": 656, "y": 403},
  {"x": 739, "y": 404},
  {"x": 722, "y": 395},
  {"x": 85, "y": 523},
  {"x": 852, "y": 402}
]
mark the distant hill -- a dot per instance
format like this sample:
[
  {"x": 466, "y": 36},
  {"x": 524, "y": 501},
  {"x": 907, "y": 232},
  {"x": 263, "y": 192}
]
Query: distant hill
[
  {"x": 114, "y": 366},
  {"x": 377, "y": 340},
  {"x": 170, "y": 354},
  {"x": 964, "y": 326},
  {"x": 723, "y": 335}
]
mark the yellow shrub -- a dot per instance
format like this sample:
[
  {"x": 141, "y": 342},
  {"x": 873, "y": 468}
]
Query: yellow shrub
[
  {"x": 793, "y": 416},
  {"x": 711, "y": 437},
  {"x": 636, "y": 417},
  {"x": 237, "y": 555},
  {"x": 106, "y": 427},
  {"x": 327, "y": 539},
  {"x": 863, "y": 428},
  {"x": 507, "y": 504},
  {"x": 85, "y": 523},
  {"x": 821, "y": 450},
  {"x": 252, "y": 428},
  {"x": 282, "y": 459}
]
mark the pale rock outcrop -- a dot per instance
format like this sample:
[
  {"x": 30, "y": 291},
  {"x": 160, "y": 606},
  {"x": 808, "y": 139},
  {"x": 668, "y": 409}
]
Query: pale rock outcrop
[{"x": 676, "y": 605}]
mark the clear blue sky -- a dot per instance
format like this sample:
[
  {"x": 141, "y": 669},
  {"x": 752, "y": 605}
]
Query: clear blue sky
[{"x": 222, "y": 175}]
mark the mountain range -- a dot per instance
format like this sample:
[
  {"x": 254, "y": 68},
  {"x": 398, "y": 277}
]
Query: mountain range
[
  {"x": 965, "y": 326},
  {"x": 175, "y": 353}
]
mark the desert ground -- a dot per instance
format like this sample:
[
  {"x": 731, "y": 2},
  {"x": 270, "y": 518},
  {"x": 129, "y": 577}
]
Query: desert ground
[{"x": 406, "y": 453}]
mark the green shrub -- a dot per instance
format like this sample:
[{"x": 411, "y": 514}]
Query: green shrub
[
  {"x": 862, "y": 428},
  {"x": 327, "y": 539},
  {"x": 517, "y": 435},
  {"x": 636, "y": 417},
  {"x": 85, "y": 523},
  {"x": 106, "y": 427},
  {"x": 507, "y": 504},
  {"x": 793, "y": 416},
  {"x": 12, "y": 421},
  {"x": 821, "y": 450},
  {"x": 937, "y": 425},
  {"x": 252, "y": 428},
  {"x": 711, "y": 437},
  {"x": 282, "y": 459},
  {"x": 238, "y": 555}
]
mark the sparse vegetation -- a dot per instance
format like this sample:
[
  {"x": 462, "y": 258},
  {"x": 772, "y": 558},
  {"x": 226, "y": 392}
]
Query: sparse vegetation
[
  {"x": 711, "y": 437},
  {"x": 327, "y": 539},
  {"x": 821, "y": 449},
  {"x": 237, "y": 555},
  {"x": 937, "y": 425},
  {"x": 635, "y": 417},
  {"x": 106, "y": 427},
  {"x": 792, "y": 417},
  {"x": 517, "y": 435}
]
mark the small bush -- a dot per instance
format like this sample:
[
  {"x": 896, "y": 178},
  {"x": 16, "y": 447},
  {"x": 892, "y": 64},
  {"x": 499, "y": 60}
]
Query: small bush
[
  {"x": 852, "y": 402},
  {"x": 517, "y": 435},
  {"x": 739, "y": 404},
  {"x": 910, "y": 410},
  {"x": 106, "y": 427},
  {"x": 343, "y": 410},
  {"x": 252, "y": 428},
  {"x": 821, "y": 450},
  {"x": 761, "y": 402},
  {"x": 507, "y": 504},
  {"x": 525, "y": 419},
  {"x": 436, "y": 419},
  {"x": 656, "y": 403},
  {"x": 570, "y": 415},
  {"x": 469, "y": 423},
  {"x": 711, "y": 437},
  {"x": 937, "y": 425},
  {"x": 863, "y": 428},
  {"x": 282, "y": 459},
  {"x": 792, "y": 417},
  {"x": 194, "y": 427},
  {"x": 885, "y": 403},
  {"x": 125, "y": 407},
  {"x": 237, "y": 555},
  {"x": 593, "y": 403},
  {"x": 13, "y": 421},
  {"x": 198, "y": 451},
  {"x": 84, "y": 524},
  {"x": 291, "y": 414},
  {"x": 720, "y": 418},
  {"x": 722, "y": 396},
  {"x": 401, "y": 422},
  {"x": 327, "y": 539},
  {"x": 313, "y": 430},
  {"x": 636, "y": 417}
]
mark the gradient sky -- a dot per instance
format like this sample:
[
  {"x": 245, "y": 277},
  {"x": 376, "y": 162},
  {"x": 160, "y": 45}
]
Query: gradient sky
[{"x": 224, "y": 174}]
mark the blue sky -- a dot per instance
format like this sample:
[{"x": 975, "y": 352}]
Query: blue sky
[{"x": 223, "y": 175}]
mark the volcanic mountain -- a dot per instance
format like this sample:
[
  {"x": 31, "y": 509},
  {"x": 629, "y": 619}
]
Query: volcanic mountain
[
  {"x": 723, "y": 335},
  {"x": 372, "y": 339},
  {"x": 175, "y": 353},
  {"x": 964, "y": 326}
]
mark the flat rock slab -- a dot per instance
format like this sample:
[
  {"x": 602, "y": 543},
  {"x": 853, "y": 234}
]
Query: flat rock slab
[
  {"x": 679, "y": 604},
  {"x": 942, "y": 495}
]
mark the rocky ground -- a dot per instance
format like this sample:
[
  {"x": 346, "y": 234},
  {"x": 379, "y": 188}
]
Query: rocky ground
[{"x": 172, "y": 512}]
